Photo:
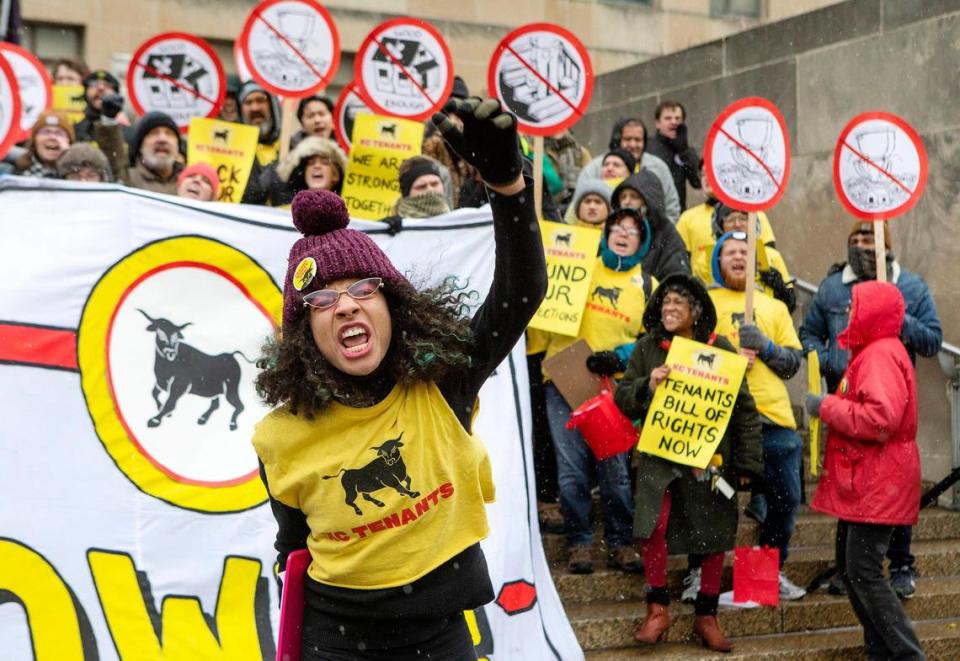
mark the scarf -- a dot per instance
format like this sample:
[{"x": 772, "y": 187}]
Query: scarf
[
  {"x": 615, "y": 262},
  {"x": 422, "y": 206}
]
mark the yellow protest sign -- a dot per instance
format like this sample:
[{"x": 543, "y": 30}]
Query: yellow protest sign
[
  {"x": 571, "y": 254},
  {"x": 227, "y": 146},
  {"x": 814, "y": 387},
  {"x": 692, "y": 406},
  {"x": 379, "y": 145},
  {"x": 69, "y": 100}
]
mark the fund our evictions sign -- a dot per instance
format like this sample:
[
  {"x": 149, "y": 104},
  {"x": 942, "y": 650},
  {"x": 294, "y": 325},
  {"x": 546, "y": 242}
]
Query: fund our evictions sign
[
  {"x": 140, "y": 528},
  {"x": 380, "y": 145},
  {"x": 227, "y": 146},
  {"x": 571, "y": 254},
  {"x": 692, "y": 406}
]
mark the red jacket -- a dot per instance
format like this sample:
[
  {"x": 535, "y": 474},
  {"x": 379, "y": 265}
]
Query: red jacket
[{"x": 872, "y": 466}]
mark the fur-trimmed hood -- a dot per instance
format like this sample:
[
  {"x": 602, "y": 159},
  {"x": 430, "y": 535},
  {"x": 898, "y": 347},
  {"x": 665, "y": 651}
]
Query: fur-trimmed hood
[{"x": 305, "y": 150}]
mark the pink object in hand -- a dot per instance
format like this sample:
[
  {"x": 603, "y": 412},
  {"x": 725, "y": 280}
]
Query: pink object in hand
[{"x": 291, "y": 606}]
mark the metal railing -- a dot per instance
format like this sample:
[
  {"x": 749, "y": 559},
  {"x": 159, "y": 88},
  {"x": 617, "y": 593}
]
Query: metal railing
[{"x": 949, "y": 359}]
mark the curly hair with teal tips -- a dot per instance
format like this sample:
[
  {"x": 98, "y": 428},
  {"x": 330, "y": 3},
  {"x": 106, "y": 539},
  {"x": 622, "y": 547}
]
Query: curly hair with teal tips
[{"x": 431, "y": 341}]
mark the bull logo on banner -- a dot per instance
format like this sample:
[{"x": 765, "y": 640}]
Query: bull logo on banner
[{"x": 153, "y": 411}]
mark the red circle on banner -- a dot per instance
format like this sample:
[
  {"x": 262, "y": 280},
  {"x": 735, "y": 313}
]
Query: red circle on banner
[
  {"x": 344, "y": 127},
  {"x": 373, "y": 39},
  {"x": 215, "y": 101},
  {"x": 44, "y": 76},
  {"x": 872, "y": 181},
  {"x": 567, "y": 111},
  {"x": 750, "y": 171},
  {"x": 9, "y": 127},
  {"x": 285, "y": 42}
]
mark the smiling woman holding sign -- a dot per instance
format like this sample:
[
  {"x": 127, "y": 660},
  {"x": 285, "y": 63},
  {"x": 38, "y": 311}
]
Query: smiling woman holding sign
[{"x": 678, "y": 505}]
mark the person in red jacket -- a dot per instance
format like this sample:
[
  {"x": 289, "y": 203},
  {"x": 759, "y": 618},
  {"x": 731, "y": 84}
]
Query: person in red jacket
[{"x": 871, "y": 476}]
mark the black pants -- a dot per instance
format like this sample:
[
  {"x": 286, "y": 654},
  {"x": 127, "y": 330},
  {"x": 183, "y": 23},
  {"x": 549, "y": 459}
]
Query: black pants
[
  {"x": 887, "y": 631},
  {"x": 452, "y": 643},
  {"x": 544, "y": 456},
  {"x": 899, "y": 551}
]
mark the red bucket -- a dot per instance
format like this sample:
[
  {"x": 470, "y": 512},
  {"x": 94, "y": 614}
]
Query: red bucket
[{"x": 603, "y": 426}]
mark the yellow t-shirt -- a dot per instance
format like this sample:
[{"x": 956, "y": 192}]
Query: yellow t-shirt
[
  {"x": 773, "y": 320},
  {"x": 267, "y": 153},
  {"x": 613, "y": 314},
  {"x": 695, "y": 227},
  {"x": 390, "y": 491}
]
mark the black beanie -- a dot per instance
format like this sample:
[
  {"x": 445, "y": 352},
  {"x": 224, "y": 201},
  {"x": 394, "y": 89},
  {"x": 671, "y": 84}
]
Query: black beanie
[
  {"x": 105, "y": 76},
  {"x": 414, "y": 168},
  {"x": 624, "y": 156},
  {"x": 146, "y": 124}
]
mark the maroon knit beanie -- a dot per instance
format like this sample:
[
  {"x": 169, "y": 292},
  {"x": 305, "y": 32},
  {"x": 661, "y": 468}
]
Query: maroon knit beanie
[{"x": 329, "y": 251}]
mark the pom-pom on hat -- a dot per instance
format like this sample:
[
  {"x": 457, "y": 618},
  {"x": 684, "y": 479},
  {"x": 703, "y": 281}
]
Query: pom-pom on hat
[{"x": 329, "y": 251}]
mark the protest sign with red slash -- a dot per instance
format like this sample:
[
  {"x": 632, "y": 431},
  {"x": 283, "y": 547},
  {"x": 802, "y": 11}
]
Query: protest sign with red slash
[
  {"x": 349, "y": 104},
  {"x": 542, "y": 74},
  {"x": 177, "y": 74},
  {"x": 9, "y": 107},
  {"x": 33, "y": 81},
  {"x": 403, "y": 68},
  {"x": 747, "y": 162},
  {"x": 879, "y": 171}
]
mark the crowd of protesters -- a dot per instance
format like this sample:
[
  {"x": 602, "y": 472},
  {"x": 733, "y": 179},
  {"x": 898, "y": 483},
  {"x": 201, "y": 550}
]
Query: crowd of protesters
[{"x": 681, "y": 271}]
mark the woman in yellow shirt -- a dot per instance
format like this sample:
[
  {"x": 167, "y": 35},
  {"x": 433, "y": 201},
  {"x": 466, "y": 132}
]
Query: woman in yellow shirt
[{"x": 369, "y": 460}]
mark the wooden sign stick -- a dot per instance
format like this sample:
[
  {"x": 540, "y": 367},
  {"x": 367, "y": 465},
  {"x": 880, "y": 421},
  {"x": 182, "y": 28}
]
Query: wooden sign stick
[
  {"x": 538, "y": 175},
  {"x": 880, "y": 241},
  {"x": 751, "y": 268},
  {"x": 288, "y": 114}
]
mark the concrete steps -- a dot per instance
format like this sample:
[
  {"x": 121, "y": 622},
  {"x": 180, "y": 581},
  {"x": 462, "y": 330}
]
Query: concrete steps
[
  {"x": 605, "y": 607},
  {"x": 940, "y": 640},
  {"x": 605, "y": 625},
  {"x": 934, "y": 558}
]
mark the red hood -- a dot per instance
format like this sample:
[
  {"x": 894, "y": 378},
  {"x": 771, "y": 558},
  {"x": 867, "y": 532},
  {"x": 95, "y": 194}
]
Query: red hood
[{"x": 875, "y": 313}]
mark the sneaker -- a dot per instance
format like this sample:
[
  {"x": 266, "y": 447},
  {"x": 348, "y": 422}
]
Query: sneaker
[
  {"x": 580, "y": 559},
  {"x": 756, "y": 509},
  {"x": 901, "y": 580},
  {"x": 626, "y": 559},
  {"x": 836, "y": 586},
  {"x": 691, "y": 583},
  {"x": 789, "y": 591}
]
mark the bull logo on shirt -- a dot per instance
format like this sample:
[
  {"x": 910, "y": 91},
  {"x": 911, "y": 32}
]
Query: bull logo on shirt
[
  {"x": 612, "y": 294},
  {"x": 387, "y": 470},
  {"x": 737, "y": 319}
]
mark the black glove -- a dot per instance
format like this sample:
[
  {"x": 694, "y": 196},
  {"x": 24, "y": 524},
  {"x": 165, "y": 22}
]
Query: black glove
[
  {"x": 111, "y": 105},
  {"x": 680, "y": 142},
  {"x": 751, "y": 337},
  {"x": 488, "y": 140},
  {"x": 813, "y": 403},
  {"x": 604, "y": 363}
]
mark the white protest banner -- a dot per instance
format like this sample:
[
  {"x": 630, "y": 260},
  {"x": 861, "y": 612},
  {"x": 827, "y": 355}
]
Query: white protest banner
[
  {"x": 9, "y": 107},
  {"x": 177, "y": 74},
  {"x": 403, "y": 68},
  {"x": 879, "y": 166},
  {"x": 542, "y": 73},
  {"x": 129, "y": 535},
  {"x": 290, "y": 47},
  {"x": 36, "y": 88}
]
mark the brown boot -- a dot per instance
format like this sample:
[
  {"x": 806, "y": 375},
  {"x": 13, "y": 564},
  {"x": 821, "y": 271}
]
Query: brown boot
[
  {"x": 654, "y": 626},
  {"x": 580, "y": 559},
  {"x": 707, "y": 627}
]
